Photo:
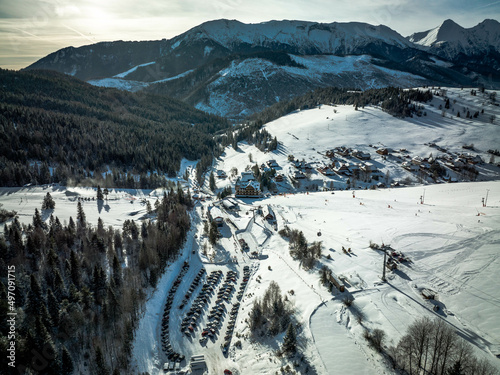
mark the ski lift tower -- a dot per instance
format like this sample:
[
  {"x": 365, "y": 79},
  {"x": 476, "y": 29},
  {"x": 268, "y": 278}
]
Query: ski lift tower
[{"x": 383, "y": 266}]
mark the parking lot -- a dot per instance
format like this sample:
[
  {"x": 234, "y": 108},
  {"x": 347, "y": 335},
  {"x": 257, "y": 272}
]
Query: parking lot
[
  {"x": 203, "y": 304},
  {"x": 200, "y": 312}
]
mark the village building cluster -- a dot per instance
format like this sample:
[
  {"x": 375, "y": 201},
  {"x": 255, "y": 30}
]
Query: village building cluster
[{"x": 345, "y": 168}]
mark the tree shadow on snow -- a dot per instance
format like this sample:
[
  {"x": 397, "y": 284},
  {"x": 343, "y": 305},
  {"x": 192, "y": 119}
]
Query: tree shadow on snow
[{"x": 46, "y": 214}]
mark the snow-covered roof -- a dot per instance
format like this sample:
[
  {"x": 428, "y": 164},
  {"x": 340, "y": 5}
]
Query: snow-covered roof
[
  {"x": 215, "y": 212},
  {"x": 254, "y": 184},
  {"x": 246, "y": 176}
]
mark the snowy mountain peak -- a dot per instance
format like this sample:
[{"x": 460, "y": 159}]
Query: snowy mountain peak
[
  {"x": 296, "y": 35},
  {"x": 450, "y": 39}
]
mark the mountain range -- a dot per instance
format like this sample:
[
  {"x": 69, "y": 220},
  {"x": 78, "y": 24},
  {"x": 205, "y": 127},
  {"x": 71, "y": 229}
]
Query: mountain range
[{"x": 233, "y": 69}]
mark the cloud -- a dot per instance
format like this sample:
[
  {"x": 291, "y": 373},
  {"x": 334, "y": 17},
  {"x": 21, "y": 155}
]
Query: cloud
[{"x": 67, "y": 11}]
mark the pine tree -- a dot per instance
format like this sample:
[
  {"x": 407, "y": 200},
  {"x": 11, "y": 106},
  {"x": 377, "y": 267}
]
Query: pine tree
[
  {"x": 48, "y": 203},
  {"x": 102, "y": 368},
  {"x": 71, "y": 226},
  {"x": 37, "y": 220},
  {"x": 43, "y": 339},
  {"x": 273, "y": 145},
  {"x": 144, "y": 230},
  {"x": 290, "y": 340},
  {"x": 80, "y": 216},
  {"x": 256, "y": 316},
  {"x": 213, "y": 234},
  {"x": 117, "y": 272},
  {"x": 75, "y": 269},
  {"x": 53, "y": 307},
  {"x": 211, "y": 182},
  {"x": 35, "y": 298},
  {"x": 100, "y": 196},
  {"x": 67, "y": 366},
  {"x": 100, "y": 227},
  {"x": 128, "y": 339}
]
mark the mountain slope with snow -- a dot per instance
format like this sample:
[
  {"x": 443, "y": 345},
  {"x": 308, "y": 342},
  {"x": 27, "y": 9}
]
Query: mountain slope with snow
[
  {"x": 227, "y": 67},
  {"x": 450, "y": 39},
  {"x": 300, "y": 36}
]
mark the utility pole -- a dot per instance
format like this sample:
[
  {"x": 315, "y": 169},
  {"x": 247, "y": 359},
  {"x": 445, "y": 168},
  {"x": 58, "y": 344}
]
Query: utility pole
[
  {"x": 486, "y": 199},
  {"x": 383, "y": 269}
]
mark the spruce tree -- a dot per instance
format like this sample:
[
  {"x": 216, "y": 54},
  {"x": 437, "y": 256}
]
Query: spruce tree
[
  {"x": 75, "y": 269},
  {"x": 43, "y": 339},
  {"x": 80, "y": 216},
  {"x": 48, "y": 203},
  {"x": 211, "y": 182},
  {"x": 53, "y": 307},
  {"x": 101, "y": 367},
  {"x": 100, "y": 196},
  {"x": 67, "y": 366},
  {"x": 71, "y": 227},
  {"x": 213, "y": 234},
  {"x": 290, "y": 340},
  {"x": 117, "y": 272},
  {"x": 35, "y": 298},
  {"x": 37, "y": 220}
]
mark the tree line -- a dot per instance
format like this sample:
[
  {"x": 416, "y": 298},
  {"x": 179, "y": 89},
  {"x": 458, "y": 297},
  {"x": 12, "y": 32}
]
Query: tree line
[
  {"x": 395, "y": 101},
  {"x": 81, "y": 287}
]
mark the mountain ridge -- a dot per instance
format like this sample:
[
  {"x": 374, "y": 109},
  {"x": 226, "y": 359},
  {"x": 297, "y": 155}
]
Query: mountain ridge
[
  {"x": 225, "y": 63},
  {"x": 450, "y": 39}
]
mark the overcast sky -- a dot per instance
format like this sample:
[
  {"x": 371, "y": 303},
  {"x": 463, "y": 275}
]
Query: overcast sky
[{"x": 31, "y": 29}]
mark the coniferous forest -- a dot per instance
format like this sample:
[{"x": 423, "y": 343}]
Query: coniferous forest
[
  {"x": 81, "y": 286},
  {"x": 395, "y": 101},
  {"x": 54, "y": 128}
]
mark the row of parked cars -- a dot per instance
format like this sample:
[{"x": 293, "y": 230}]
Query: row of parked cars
[
  {"x": 192, "y": 288},
  {"x": 218, "y": 311},
  {"x": 188, "y": 324},
  {"x": 234, "y": 310},
  {"x": 165, "y": 336}
]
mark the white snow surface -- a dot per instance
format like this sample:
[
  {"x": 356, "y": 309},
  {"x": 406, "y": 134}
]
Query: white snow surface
[
  {"x": 325, "y": 38},
  {"x": 130, "y": 85},
  {"x": 119, "y": 83},
  {"x": 124, "y": 74}
]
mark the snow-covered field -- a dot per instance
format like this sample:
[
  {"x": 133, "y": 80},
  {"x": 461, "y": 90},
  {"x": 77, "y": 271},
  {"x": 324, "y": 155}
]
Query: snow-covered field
[
  {"x": 453, "y": 251},
  {"x": 451, "y": 239}
]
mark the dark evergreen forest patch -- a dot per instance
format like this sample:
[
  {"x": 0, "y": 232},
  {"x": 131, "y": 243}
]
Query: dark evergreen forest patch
[{"x": 49, "y": 120}]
